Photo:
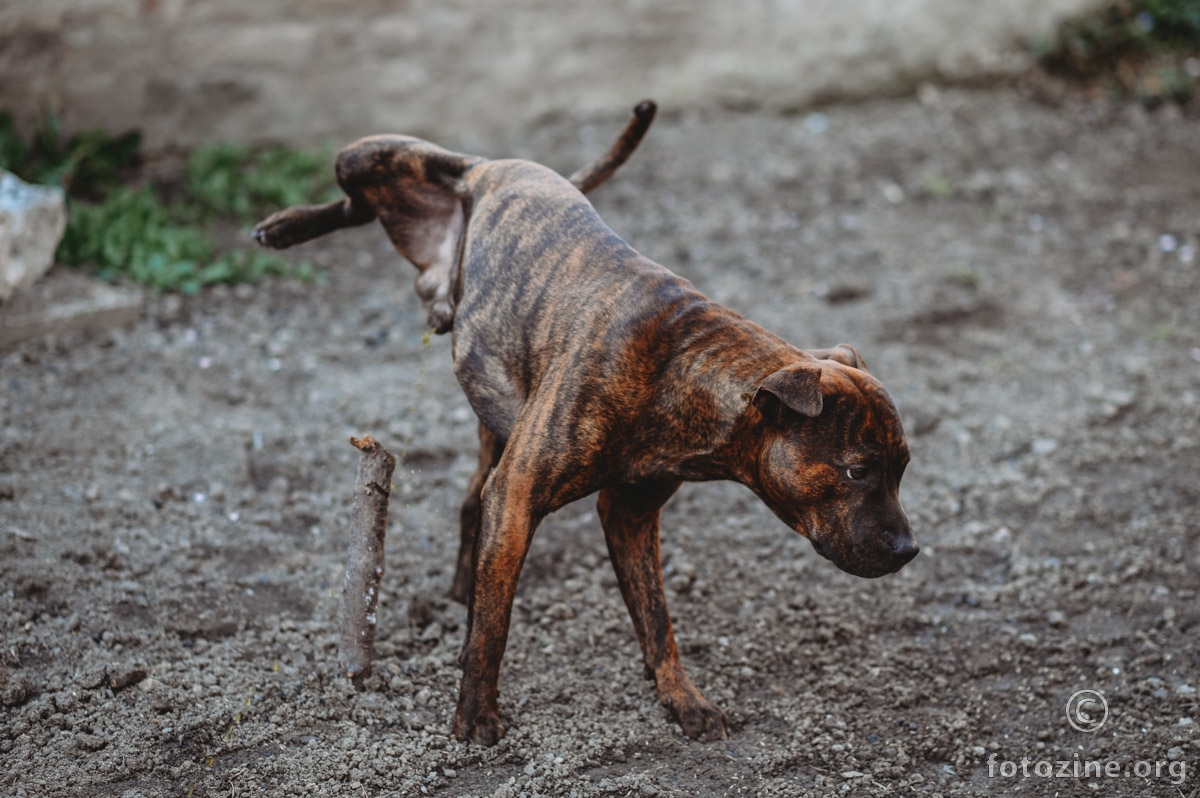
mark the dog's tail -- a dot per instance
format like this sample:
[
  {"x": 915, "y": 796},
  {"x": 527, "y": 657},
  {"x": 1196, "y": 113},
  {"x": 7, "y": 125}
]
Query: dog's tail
[{"x": 589, "y": 177}]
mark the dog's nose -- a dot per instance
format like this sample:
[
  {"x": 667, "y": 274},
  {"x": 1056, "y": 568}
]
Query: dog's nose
[{"x": 904, "y": 550}]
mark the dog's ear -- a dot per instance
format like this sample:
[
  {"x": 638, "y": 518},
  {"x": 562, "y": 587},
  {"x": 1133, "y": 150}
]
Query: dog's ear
[
  {"x": 796, "y": 388},
  {"x": 842, "y": 353}
]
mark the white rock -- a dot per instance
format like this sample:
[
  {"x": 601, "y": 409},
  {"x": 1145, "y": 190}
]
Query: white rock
[{"x": 32, "y": 221}]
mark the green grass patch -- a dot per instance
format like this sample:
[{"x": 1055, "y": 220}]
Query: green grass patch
[
  {"x": 1149, "y": 49},
  {"x": 123, "y": 226}
]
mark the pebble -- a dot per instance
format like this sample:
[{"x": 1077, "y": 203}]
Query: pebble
[
  {"x": 1044, "y": 446},
  {"x": 816, "y": 123},
  {"x": 892, "y": 192},
  {"x": 125, "y": 677}
]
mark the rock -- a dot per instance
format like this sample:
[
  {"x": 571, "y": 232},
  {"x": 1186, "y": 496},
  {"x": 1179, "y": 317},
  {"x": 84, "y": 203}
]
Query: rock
[
  {"x": 125, "y": 677},
  {"x": 32, "y": 221}
]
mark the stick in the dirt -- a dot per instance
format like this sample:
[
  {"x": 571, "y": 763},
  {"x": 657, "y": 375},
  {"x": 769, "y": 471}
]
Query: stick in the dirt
[{"x": 364, "y": 560}]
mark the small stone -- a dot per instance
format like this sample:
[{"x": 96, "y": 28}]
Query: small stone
[
  {"x": 852, "y": 774},
  {"x": 125, "y": 677},
  {"x": 92, "y": 678},
  {"x": 560, "y": 611},
  {"x": 1175, "y": 753},
  {"x": 892, "y": 192},
  {"x": 1044, "y": 446},
  {"x": 1056, "y": 618},
  {"x": 816, "y": 123}
]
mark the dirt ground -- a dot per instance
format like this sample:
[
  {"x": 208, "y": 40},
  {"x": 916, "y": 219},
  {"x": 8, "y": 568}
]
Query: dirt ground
[{"x": 1021, "y": 273}]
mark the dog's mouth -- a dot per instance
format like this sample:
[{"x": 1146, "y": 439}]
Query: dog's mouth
[{"x": 853, "y": 563}]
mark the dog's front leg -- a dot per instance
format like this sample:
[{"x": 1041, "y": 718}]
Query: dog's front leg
[
  {"x": 509, "y": 520},
  {"x": 629, "y": 515}
]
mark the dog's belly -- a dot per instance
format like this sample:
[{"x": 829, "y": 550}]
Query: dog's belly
[{"x": 493, "y": 395}]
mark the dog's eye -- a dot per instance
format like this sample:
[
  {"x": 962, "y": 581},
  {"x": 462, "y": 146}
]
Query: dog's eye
[{"x": 856, "y": 472}]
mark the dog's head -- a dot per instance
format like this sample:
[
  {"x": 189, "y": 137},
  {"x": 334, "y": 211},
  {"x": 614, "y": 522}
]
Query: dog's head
[{"x": 831, "y": 457}]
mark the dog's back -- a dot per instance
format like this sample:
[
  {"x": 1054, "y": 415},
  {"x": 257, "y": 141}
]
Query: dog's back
[{"x": 536, "y": 248}]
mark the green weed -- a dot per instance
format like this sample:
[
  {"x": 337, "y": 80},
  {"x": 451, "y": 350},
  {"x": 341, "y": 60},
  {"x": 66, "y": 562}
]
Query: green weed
[
  {"x": 231, "y": 180},
  {"x": 1146, "y": 48},
  {"x": 122, "y": 227},
  {"x": 88, "y": 164}
]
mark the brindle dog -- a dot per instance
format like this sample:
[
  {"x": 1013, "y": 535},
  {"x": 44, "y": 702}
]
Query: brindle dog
[{"x": 593, "y": 369}]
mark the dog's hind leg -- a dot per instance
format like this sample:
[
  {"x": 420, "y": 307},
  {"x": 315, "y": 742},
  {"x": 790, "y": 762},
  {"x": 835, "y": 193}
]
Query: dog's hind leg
[
  {"x": 297, "y": 225},
  {"x": 490, "y": 449}
]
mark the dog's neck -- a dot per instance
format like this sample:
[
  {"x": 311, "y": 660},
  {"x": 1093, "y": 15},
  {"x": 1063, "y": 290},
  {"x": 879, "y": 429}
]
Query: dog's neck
[{"x": 694, "y": 423}]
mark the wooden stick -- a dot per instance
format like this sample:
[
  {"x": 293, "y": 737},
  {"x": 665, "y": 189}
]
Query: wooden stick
[{"x": 364, "y": 559}]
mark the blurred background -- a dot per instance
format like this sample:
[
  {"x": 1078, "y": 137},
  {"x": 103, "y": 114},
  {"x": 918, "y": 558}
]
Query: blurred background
[{"x": 303, "y": 71}]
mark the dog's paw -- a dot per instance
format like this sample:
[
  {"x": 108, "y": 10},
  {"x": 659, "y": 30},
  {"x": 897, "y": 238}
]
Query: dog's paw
[
  {"x": 279, "y": 231},
  {"x": 700, "y": 719},
  {"x": 485, "y": 729},
  {"x": 297, "y": 225}
]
